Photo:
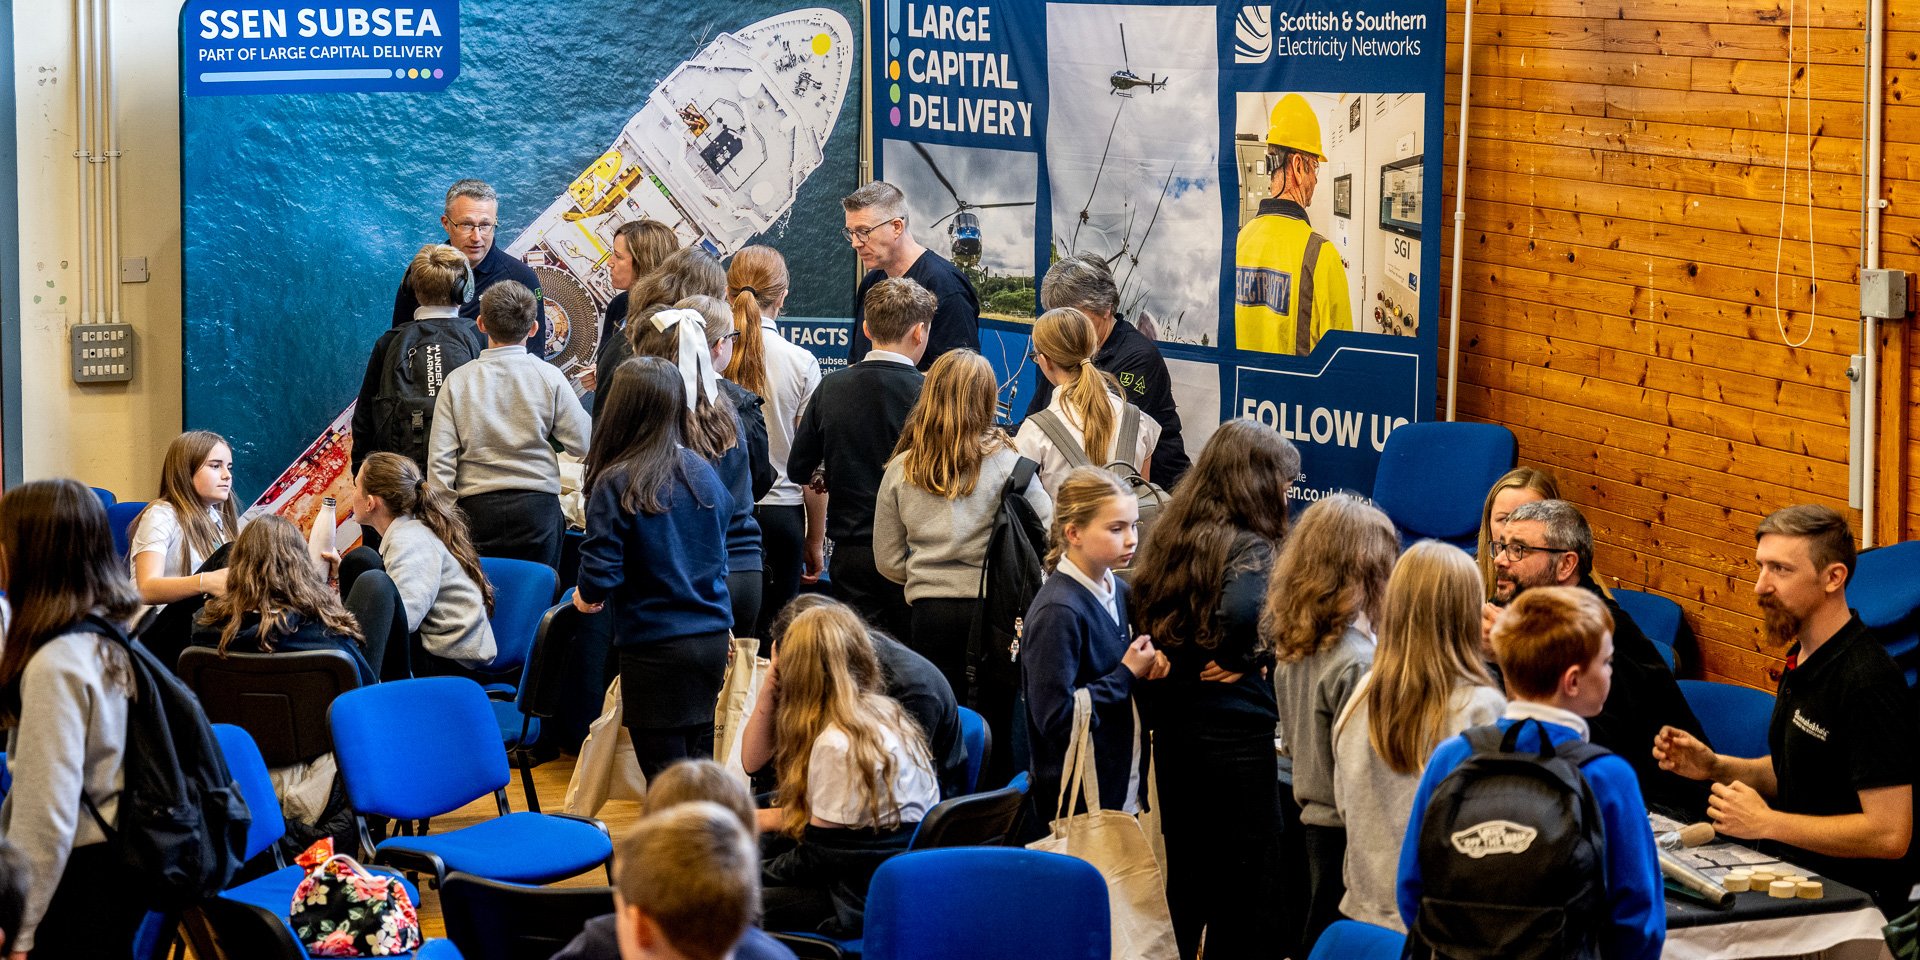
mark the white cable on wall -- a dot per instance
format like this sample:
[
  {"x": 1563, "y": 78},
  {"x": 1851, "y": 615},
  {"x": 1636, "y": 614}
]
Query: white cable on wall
[{"x": 1786, "y": 149}]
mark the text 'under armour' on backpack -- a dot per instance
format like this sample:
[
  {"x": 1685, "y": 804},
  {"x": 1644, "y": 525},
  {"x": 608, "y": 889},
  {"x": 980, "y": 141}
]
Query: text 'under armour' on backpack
[
  {"x": 418, "y": 359},
  {"x": 1512, "y": 854}
]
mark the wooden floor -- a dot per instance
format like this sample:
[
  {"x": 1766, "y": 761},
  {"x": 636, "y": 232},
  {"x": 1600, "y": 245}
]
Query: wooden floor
[{"x": 550, "y": 783}]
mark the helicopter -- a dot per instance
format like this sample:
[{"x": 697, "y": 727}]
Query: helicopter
[
  {"x": 1125, "y": 80},
  {"x": 964, "y": 231}
]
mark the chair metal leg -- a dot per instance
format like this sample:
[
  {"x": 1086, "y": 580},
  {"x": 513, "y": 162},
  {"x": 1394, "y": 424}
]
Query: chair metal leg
[{"x": 526, "y": 781}]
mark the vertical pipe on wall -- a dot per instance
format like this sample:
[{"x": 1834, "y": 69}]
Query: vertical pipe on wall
[
  {"x": 1459, "y": 213},
  {"x": 82, "y": 112},
  {"x": 110, "y": 165},
  {"x": 1870, "y": 327}
]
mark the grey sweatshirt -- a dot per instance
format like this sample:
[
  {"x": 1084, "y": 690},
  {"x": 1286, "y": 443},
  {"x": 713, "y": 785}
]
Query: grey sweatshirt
[
  {"x": 71, "y": 736},
  {"x": 935, "y": 546},
  {"x": 492, "y": 422},
  {"x": 1366, "y": 791},
  {"x": 441, "y": 602},
  {"x": 1311, "y": 693}
]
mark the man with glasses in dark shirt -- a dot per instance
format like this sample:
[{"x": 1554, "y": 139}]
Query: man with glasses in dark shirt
[
  {"x": 1834, "y": 795},
  {"x": 472, "y": 222},
  {"x": 1548, "y": 543},
  {"x": 878, "y": 231}
]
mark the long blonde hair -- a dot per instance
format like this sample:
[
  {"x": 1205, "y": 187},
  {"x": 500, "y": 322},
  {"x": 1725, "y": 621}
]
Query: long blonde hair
[
  {"x": 756, "y": 280},
  {"x": 272, "y": 575},
  {"x": 1334, "y": 566},
  {"x": 1082, "y": 494},
  {"x": 1429, "y": 647},
  {"x": 823, "y": 656},
  {"x": 397, "y": 481},
  {"x": 1067, "y": 338},
  {"x": 951, "y": 430},
  {"x": 1528, "y": 478},
  {"x": 199, "y": 535}
]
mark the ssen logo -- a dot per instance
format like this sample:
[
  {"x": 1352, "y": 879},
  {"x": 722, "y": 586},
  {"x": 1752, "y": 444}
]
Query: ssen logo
[
  {"x": 1494, "y": 836},
  {"x": 1253, "y": 34}
]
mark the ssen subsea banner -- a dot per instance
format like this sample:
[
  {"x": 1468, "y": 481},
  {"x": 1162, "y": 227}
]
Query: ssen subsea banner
[
  {"x": 1257, "y": 176},
  {"x": 318, "y": 141}
]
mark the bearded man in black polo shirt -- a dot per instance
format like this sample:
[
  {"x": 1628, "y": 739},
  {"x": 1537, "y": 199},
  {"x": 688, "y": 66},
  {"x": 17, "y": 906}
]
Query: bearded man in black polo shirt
[{"x": 1835, "y": 795}]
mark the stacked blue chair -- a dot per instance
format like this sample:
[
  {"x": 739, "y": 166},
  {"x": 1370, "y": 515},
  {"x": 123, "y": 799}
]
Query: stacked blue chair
[
  {"x": 411, "y": 750},
  {"x": 1433, "y": 478},
  {"x": 1886, "y": 591},
  {"x": 1353, "y": 940},
  {"x": 120, "y": 518},
  {"x": 1734, "y": 718},
  {"x": 1657, "y": 617},
  {"x": 250, "y": 919},
  {"x": 541, "y": 692},
  {"x": 994, "y": 903},
  {"x": 979, "y": 740}
]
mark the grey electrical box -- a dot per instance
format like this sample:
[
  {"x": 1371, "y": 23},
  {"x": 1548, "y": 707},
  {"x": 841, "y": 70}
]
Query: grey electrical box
[
  {"x": 102, "y": 352},
  {"x": 134, "y": 270},
  {"x": 1883, "y": 294}
]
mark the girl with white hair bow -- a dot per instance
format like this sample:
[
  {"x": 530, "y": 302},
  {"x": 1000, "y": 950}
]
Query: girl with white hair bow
[{"x": 723, "y": 424}]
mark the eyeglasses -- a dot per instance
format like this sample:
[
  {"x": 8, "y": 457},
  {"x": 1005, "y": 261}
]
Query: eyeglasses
[
  {"x": 732, "y": 336},
  {"x": 1517, "y": 551},
  {"x": 860, "y": 234},
  {"x": 485, "y": 226}
]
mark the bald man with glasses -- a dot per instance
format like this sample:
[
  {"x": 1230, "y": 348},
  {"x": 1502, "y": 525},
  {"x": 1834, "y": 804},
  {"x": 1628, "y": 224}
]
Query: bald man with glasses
[
  {"x": 472, "y": 223},
  {"x": 1548, "y": 544}
]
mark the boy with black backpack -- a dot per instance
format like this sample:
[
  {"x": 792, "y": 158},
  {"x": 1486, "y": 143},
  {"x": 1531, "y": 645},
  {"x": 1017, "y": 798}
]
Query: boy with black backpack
[
  {"x": 1525, "y": 841},
  {"x": 410, "y": 362}
]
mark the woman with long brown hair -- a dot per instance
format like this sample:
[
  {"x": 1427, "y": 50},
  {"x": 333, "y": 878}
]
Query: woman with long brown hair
[
  {"x": 278, "y": 600},
  {"x": 1427, "y": 684},
  {"x": 1322, "y": 604},
  {"x": 793, "y": 517},
  {"x": 445, "y": 599},
  {"x": 64, "y": 690},
  {"x": 937, "y": 503},
  {"x": 639, "y": 246},
  {"x": 854, "y": 774},
  {"x": 1087, "y": 411},
  {"x": 189, "y": 519},
  {"x": 1199, "y": 585}
]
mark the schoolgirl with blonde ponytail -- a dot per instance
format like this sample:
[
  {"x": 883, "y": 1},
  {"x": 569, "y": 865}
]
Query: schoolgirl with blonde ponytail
[{"x": 1082, "y": 421}]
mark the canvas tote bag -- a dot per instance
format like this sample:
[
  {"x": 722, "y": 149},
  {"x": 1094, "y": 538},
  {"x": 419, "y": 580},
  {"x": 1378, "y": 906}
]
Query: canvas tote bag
[
  {"x": 1116, "y": 846},
  {"x": 739, "y": 692},
  {"x": 607, "y": 769}
]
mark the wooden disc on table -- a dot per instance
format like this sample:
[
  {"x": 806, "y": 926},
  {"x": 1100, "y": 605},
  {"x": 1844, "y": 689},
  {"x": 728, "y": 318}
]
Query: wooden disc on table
[
  {"x": 1809, "y": 889},
  {"x": 1783, "y": 890},
  {"x": 1737, "y": 881},
  {"x": 1763, "y": 877},
  {"x": 1793, "y": 878}
]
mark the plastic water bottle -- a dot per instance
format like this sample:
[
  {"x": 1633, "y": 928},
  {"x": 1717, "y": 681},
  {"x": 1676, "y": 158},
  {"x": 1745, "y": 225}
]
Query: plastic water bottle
[{"x": 320, "y": 539}]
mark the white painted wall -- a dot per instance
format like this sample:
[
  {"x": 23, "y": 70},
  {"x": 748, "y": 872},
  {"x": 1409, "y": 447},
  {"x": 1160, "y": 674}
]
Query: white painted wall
[{"x": 109, "y": 435}]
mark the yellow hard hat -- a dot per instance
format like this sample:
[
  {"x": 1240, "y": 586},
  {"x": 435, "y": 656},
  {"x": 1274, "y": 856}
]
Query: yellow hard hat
[{"x": 1293, "y": 125}]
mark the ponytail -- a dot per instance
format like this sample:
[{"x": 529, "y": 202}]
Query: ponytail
[
  {"x": 397, "y": 480},
  {"x": 1068, "y": 340},
  {"x": 749, "y": 365}
]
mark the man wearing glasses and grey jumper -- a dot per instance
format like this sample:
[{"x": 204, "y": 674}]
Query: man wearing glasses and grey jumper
[
  {"x": 472, "y": 221},
  {"x": 1548, "y": 544}
]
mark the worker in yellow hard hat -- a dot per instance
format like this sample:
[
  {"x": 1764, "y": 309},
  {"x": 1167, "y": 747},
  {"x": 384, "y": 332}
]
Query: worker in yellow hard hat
[{"x": 1284, "y": 270}]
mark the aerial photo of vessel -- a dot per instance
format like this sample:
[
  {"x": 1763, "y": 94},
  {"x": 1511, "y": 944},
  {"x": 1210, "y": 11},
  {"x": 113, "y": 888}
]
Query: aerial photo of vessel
[{"x": 718, "y": 152}]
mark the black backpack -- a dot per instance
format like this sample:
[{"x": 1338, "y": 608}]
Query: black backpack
[
  {"x": 183, "y": 825},
  {"x": 1009, "y": 578},
  {"x": 417, "y": 361},
  {"x": 1512, "y": 854}
]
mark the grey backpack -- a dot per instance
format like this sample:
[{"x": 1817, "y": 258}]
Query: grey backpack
[{"x": 1149, "y": 495}]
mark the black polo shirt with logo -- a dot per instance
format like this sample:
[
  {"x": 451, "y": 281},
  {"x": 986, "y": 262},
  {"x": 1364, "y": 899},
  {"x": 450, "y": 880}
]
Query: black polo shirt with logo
[{"x": 1844, "y": 722}]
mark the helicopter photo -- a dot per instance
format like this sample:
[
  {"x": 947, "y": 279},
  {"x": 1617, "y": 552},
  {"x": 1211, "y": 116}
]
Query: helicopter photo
[
  {"x": 964, "y": 232},
  {"x": 1124, "y": 81}
]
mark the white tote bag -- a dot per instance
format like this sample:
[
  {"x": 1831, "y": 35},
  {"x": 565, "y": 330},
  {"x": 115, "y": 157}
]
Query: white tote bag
[
  {"x": 1116, "y": 846},
  {"x": 607, "y": 769},
  {"x": 739, "y": 692}
]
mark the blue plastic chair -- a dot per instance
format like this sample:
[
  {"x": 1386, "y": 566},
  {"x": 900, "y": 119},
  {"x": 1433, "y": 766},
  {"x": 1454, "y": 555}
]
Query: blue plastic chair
[
  {"x": 978, "y": 737},
  {"x": 975, "y": 820},
  {"x": 522, "y": 592},
  {"x": 1886, "y": 592},
  {"x": 1433, "y": 478},
  {"x": 994, "y": 903},
  {"x": 107, "y": 499},
  {"x": 1353, "y": 940},
  {"x": 411, "y": 750},
  {"x": 273, "y": 892},
  {"x": 1658, "y": 617},
  {"x": 1734, "y": 718},
  {"x": 541, "y": 694},
  {"x": 120, "y": 518}
]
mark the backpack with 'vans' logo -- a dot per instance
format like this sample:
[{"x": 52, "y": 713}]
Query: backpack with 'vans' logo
[{"x": 1512, "y": 854}]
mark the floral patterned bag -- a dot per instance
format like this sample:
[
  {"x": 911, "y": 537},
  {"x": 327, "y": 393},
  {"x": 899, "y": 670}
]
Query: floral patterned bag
[{"x": 341, "y": 910}]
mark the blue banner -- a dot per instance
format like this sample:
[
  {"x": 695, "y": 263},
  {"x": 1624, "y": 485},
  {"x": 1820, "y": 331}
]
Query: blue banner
[
  {"x": 1263, "y": 180},
  {"x": 239, "y": 48}
]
